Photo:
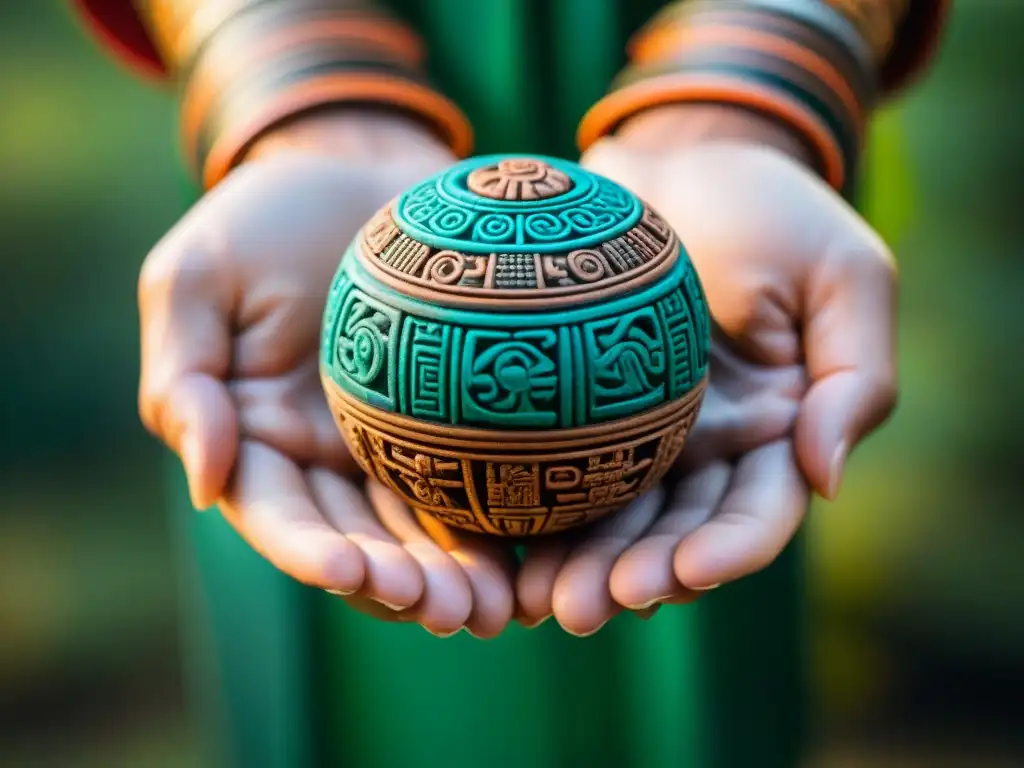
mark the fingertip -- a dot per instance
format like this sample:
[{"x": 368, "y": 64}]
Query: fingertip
[
  {"x": 206, "y": 436},
  {"x": 836, "y": 468},
  {"x": 493, "y": 602},
  {"x": 447, "y": 600},
  {"x": 582, "y": 604},
  {"x": 763, "y": 508},
  {"x": 700, "y": 564},
  {"x": 392, "y": 576},
  {"x": 837, "y": 413},
  {"x": 643, "y": 574},
  {"x": 326, "y": 561},
  {"x": 344, "y": 568},
  {"x": 535, "y": 581}
]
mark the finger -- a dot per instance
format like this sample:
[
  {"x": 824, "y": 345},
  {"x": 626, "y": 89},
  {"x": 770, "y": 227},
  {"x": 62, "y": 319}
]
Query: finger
[
  {"x": 535, "y": 582},
  {"x": 393, "y": 577},
  {"x": 269, "y": 504},
  {"x": 490, "y": 568},
  {"x": 643, "y": 575},
  {"x": 581, "y": 598},
  {"x": 760, "y": 512},
  {"x": 849, "y": 340},
  {"x": 186, "y": 356},
  {"x": 447, "y": 599}
]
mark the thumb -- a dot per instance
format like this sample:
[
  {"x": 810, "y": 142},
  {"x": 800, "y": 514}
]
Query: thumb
[
  {"x": 198, "y": 422},
  {"x": 849, "y": 346},
  {"x": 186, "y": 357}
]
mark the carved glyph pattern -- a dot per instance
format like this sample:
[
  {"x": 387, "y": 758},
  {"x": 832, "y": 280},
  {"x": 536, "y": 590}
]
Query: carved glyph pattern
[
  {"x": 364, "y": 348},
  {"x": 564, "y": 375},
  {"x": 520, "y": 178},
  {"x": 616, "y": 266},
  {"x": 515, "y": 495}
]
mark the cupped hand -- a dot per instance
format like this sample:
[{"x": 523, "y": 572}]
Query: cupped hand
[
  {"x": 231, "y": 303},
  {"x": 802, "y": 293}
]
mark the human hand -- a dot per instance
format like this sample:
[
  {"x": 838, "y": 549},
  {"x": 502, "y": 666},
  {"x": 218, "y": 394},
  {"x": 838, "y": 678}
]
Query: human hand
[
  {"x": 231, "y": 303},
  {"x": 802, "y": 368}
]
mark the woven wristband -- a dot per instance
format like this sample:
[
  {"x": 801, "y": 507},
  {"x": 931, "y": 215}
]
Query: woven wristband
[
  {"x": 248, "y": 65},
  {"x": 806, "y": 67}
]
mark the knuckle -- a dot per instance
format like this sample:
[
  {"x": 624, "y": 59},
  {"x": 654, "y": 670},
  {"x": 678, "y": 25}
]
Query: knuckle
[
  {"x": 148, "y": 406},
  {"x": 147, "y": 414},
  {"x": 874, "y": 263},
  {"x": 885, "y": 392},
  {"x": 177, "y": 263},
  {"x": 882, "y": 263}
]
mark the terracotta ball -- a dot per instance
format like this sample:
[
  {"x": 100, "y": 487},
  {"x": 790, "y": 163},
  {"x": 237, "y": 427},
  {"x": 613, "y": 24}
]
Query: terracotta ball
[{"x": 516, "y": 346}]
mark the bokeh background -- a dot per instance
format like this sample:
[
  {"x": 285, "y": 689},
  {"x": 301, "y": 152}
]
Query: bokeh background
[{"x": 918, "y": 571}]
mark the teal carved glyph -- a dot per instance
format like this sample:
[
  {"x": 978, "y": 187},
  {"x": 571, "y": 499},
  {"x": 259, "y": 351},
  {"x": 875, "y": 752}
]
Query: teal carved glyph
[{"x": 516, "y": 345}]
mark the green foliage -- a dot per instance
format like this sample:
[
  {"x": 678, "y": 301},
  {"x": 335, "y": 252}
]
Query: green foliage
[{"x": 888, "y": 194}]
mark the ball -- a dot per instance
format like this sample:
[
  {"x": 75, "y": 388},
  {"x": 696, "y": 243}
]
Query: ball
[{"x": 516, "y": 346}]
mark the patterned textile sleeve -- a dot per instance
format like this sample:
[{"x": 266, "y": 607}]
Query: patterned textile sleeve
[
  {"x": 819, "y": 66},
  {"x": 244, "y": 66}
]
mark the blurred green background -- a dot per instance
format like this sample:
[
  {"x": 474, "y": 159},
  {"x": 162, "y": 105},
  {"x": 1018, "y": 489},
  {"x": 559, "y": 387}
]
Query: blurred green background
[{"x": 918, "y": 572}]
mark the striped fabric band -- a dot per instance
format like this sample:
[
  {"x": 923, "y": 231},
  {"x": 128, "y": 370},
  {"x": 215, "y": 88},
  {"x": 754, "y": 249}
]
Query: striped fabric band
[
  {"x": 247, "y": 65},
  {"x": 815, "y": 65}
]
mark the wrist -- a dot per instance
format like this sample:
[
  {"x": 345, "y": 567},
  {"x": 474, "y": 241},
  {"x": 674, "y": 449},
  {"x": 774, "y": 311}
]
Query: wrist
[
  {"x": 353, "y": 133},
  {"x": 676, "y": 127}
]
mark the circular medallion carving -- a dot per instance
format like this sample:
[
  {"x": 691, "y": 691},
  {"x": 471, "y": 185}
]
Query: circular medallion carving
[
  {"x": 445, "y": 213},
  {"x": 516, "y": 346},
  {"x": 518, "y": 179}
]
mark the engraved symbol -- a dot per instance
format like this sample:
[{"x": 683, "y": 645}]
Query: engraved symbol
[
  {"x": 424, "y": 475},
  {"x": 609, "y": 481},
  {"x": 514, "y": 485},
  {"x": 628, "y": 362},
  {"x": 446, "y": 267},
  {"x": 380, "y": 232},
  {"x": 361, "y": 345},
  {"x": 508, "y": 378},
  {"x": 519, "y": 179},
  {"x": 562, "y": 478},
  {"x": 587, "y": 266}
]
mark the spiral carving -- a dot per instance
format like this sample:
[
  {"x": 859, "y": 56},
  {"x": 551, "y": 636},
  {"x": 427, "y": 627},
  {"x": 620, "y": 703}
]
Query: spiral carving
[
  {"x": 587, "y": 266},
  {"x": 446, "y": 267}
]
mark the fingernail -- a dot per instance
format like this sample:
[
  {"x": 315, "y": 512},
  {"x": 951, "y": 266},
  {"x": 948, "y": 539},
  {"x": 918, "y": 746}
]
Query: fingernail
[
  {"x": 189, "y": 459},
  {"x": 647, "y": 613},
  {"x": 340, "y": 592},
  {"x": 391, "y": 605},
  {"x": 535, "y": 624},
  {"x": 835, "y": 470},
  {"x": 648, "y": 604},
  {"x": 591, "y": 632},
  {"x": 443, "y": 635},
  {"x": 708, "y": 588}
]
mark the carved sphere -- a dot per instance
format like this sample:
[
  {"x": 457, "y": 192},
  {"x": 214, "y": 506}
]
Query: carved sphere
[{"x": 516, "y": 346}]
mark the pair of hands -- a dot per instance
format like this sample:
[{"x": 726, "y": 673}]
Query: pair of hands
[{"x": 801, "y": 289}]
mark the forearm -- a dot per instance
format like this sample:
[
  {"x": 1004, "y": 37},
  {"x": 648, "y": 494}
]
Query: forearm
[
  {"x": 797, "y": 66},
  {"x": 245, "y": 68}
]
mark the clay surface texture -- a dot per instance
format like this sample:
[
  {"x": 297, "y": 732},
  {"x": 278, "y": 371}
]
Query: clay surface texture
[{"x": 516, "y": 346}]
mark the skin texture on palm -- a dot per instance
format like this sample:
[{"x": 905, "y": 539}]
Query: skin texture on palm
[{"x": 802, "y": 292}]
